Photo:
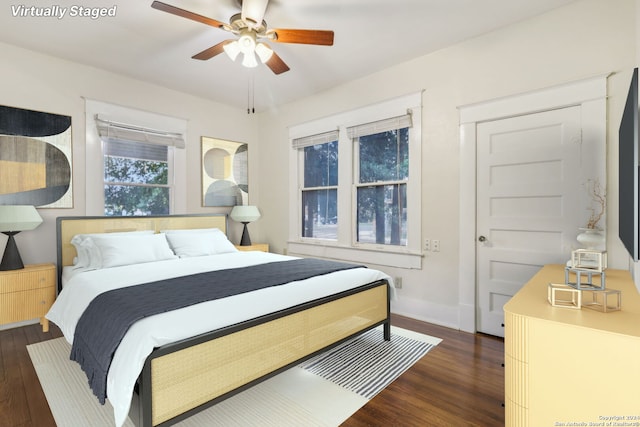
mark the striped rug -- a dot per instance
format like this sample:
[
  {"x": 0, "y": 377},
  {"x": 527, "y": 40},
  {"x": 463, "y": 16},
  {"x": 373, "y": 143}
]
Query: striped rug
[
  {"x": 367, "y": 364},
  {"x": 343, "y": 379}
]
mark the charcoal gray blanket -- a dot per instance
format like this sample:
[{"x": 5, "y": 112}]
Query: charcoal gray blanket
[{"x": 108, "y": 317}]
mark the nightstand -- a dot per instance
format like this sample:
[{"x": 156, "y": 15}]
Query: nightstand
[
  {"x": 27, "y": 293},
  {"x": 264, "y": 247}
]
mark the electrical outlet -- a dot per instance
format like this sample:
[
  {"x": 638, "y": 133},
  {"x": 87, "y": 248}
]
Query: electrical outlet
[
  {"x": 435, "y": 245},
  {"x": 397, "y": 282},
  {"x": 427, "y": 245}
]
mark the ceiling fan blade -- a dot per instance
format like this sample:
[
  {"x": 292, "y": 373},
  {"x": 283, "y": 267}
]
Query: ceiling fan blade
[
  {"x": 186, "y": 14},
  {"x": 253, "y": 11},
  {"x": 276, "y": 64},
  {"x": 319, "y": 37},
  {"x": 212, "y": 51}
]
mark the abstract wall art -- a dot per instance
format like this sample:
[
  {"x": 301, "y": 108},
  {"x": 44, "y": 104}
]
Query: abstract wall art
[
  {"x": 35, "y": 158},
  {"x": 224, "y": 172}
]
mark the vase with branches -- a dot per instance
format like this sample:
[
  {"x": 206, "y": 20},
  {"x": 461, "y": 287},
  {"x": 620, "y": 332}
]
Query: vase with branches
[
  {"x": 591, "y": 236},
  {"x": 598, "y": 202}
]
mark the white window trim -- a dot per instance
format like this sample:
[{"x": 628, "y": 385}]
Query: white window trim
[
  {"x": 94, "y": 192},
  {"x": 345, "y": 247}
]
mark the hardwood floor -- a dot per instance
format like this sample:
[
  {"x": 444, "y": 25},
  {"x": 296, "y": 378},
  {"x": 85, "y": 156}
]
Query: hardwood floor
[{"x": 459, "y": 383}]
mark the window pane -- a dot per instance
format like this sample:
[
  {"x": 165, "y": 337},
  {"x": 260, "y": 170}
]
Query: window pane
[
  {"x": 127, "y": 200},
  {"x": 119, "y": 169},
  {"x": 382, "y": 214},
  {"x": 320, "y": 214},
  {"x": 384, "y": 156},
  {"x": 321, "y": 165}
]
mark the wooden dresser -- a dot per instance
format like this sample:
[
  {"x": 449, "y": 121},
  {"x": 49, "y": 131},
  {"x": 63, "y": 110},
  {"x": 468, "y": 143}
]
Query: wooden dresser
[
  {"x": 566, "y": 365},
  {"x": 27, "y": 293}
]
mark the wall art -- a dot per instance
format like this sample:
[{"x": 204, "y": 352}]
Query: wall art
[
  {"x": 224, "y": 172},
  {"x": 35, "y": 158}
]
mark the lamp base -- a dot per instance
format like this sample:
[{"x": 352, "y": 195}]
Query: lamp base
[
  {"x": 245, "y": 240},
  {"x": 11, "y": 259}
]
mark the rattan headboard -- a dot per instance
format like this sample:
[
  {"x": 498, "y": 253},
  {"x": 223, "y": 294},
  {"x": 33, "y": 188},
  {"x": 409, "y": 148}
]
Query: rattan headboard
[{"x": 67, "y": 227}]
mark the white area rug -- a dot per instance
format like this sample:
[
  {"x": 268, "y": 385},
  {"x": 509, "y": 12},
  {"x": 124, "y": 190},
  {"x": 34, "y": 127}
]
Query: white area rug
[{"x": 342, "y": 379}]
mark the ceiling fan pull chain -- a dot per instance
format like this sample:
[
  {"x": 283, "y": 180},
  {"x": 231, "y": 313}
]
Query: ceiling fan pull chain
[{"x": 251, "y": 95}]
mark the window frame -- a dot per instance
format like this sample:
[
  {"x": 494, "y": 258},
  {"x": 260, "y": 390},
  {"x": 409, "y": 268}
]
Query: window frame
[
  {"x": 94, "y": 165},
  {"x": 346, "y": 247}
]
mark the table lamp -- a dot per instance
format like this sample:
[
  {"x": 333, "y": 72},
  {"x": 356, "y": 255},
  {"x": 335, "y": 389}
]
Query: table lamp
[
  {"x": 245, "y": 215},
  {"x": 14, "y": 219}
]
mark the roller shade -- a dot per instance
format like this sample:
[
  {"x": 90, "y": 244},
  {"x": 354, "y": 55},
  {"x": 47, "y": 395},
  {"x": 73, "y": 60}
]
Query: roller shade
[
  {"x": 321, "y": 138},
  {"x": 111, "y": 130},
  {"x": 380, "y": 126},
  {"x": 135, "y": 150}
]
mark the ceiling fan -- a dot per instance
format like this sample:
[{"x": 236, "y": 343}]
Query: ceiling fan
[{"x": 251, "y": 29}]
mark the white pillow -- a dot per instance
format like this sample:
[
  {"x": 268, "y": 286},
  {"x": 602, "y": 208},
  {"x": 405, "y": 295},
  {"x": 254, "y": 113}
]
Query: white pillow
[
  {"x": 199, "y": 242},
  {"x": 192, "y": 230},
  {"x": 132, "y": 249},
  {"x": 88, "y": 254}
]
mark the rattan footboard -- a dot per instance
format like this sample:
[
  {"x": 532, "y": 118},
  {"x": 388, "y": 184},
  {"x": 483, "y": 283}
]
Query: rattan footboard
[{"x": 183, "y": 378}]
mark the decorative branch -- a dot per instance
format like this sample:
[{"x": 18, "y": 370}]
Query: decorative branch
[{"x": 599, "y": 198}]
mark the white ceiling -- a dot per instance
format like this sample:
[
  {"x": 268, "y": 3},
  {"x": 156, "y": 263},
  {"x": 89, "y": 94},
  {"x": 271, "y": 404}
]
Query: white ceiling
[{"x": 156, "y": 47}]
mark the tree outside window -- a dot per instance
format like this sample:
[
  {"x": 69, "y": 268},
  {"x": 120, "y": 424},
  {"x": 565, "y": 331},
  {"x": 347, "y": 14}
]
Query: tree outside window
[
  {"x": 320, "y": 191},
  {"x": 136, "y": 179},
  {"x": 383, "y": 160}
]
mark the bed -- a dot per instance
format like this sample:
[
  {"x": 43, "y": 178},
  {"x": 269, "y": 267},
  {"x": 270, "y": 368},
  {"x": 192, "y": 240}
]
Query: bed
[{"x": 191, "y": 360}]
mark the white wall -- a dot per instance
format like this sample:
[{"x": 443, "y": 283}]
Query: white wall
[
  {"x": 38, "y": 82},
  {"x": 581, "y": 40}
]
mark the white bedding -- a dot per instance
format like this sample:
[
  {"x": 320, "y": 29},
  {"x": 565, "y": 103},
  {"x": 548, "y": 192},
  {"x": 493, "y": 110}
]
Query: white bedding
[{"x": 81, "y": 286}]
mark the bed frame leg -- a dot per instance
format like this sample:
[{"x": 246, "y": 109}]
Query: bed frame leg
[
  {"x": 387, "y": 330},
  {"x": 144, "y": 414}
]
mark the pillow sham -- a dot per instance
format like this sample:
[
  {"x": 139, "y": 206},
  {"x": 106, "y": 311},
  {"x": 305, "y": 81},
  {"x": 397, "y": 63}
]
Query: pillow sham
[
  {"x": 88, "y": 254},
  {"x": 199, "y": 242},
  {"x": 133, "y": 249}
]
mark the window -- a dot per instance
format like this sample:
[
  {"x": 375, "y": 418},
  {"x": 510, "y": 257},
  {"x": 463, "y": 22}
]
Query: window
[
  {"x": 137, "y": 165},
  {"x": 136, "y": 178},
  {"x": 356, "y": 190},
  {"x": 320, "y": 191},
  {"x": 381, "y": 179}
]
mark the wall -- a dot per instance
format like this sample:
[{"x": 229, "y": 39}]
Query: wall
[
  {"x": 34, "y": 81},
  {"x": 583, "y": 39}
]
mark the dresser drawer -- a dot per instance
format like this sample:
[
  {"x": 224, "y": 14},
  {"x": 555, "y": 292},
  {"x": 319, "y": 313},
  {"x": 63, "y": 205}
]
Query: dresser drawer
[
  {"x": 25, "y": 305},
  {"x": 31, "y": 277}
]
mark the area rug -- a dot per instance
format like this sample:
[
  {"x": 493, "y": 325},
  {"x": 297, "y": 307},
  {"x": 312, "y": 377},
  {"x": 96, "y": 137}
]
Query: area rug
[{"x": 323, "y": 391}]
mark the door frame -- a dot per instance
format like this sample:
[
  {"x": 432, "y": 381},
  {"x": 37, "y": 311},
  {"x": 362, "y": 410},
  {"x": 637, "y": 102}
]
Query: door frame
[{"x": 590, "y": 94}]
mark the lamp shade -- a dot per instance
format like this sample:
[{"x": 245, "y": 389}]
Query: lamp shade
[
  {"x": 18, "y": 218},
  {"x": 244, "y": 213}
]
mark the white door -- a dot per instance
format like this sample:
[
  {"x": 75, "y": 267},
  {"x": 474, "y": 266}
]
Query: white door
[{"x": 528, "y": 185}]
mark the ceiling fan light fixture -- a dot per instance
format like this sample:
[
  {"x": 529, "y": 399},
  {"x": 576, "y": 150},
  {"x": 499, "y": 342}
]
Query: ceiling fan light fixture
[
  {"x": 264, "y": 52},
  {"x": 247, "y": 42},
  {"x": 232, "y": 49},
  {"x": 249, "y": 60}
]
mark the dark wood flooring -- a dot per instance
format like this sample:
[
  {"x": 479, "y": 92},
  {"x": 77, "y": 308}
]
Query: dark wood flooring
[{"x": 459, "y": 383}]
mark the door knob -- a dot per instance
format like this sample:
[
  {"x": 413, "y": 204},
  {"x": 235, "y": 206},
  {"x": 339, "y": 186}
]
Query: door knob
[{"x": 482, "y": 239}]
